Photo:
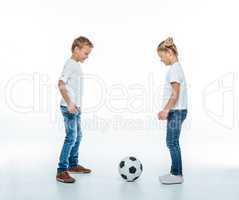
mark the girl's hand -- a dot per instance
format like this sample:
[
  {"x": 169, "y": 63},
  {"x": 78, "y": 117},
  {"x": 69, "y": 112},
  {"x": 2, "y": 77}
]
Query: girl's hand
[{"x": 162, "y": 115}]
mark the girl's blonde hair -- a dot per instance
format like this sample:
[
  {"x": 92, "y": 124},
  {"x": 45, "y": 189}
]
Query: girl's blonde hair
[{"x": 167, "y": 45}]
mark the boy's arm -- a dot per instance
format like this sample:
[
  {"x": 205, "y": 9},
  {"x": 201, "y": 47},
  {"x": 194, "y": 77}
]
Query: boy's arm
[
  {"x": 70, "y": 105},
  {"x": 171, "y": 102}
]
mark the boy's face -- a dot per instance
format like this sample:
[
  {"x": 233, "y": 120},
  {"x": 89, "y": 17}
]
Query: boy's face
[
  {"x": 82, "y": 53},
  {"x": 165, "y": 57}
]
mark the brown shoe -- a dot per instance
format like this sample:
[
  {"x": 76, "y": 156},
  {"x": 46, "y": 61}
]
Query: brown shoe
[
  {"x": 64, "y": 177},
  {"x": 79, "y": 170}
]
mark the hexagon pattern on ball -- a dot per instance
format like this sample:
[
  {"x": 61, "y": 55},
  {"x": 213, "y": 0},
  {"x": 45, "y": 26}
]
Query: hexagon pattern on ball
[{"x": 130, "y": 168}]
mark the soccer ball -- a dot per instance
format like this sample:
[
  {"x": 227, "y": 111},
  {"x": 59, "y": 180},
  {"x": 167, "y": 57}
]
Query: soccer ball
[{"x": 130, "y": 168}]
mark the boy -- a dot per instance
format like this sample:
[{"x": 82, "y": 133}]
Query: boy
[{"x": 70, "y": 86}]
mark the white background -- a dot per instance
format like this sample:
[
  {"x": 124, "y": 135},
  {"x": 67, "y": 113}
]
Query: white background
[{"x": 35, "y": 41}]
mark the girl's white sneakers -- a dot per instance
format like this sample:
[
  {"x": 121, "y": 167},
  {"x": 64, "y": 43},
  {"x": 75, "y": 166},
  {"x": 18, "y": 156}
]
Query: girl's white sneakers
[{"x": 170, "y": 179}]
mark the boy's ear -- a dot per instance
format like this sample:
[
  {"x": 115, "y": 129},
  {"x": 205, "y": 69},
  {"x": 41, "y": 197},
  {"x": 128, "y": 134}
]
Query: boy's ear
[{"x": 76, "y": 48}]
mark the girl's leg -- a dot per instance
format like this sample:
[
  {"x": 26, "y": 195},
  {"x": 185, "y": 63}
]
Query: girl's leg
[{"x": 174, "y": 124}]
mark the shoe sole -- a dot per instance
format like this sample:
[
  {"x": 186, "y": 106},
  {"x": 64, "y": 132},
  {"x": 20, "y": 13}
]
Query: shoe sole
[
  {"x": 79, "y": 172},
  {"x": 63, "y": 181},
  {"x": 171, "y": 183},
  {"x": 177, "y": 183}
]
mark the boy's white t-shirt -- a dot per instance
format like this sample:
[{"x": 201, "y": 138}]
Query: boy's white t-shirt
[
  {"x": 176, "y": 74},
  {"x": 72, "y": 77}
]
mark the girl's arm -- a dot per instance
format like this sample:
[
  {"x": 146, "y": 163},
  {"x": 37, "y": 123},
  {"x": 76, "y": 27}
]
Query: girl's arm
[
  {"x": 171, "y": 102},
  {"x": 174, "y": 96}
]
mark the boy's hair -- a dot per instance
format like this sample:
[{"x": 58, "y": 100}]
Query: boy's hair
[
  {"x": 80, "y": 42},
  {"x": 167, "y": 45}
]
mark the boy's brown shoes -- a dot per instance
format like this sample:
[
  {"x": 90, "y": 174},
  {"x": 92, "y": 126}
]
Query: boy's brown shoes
[
  {"x": 64, "y": 177},
  {"x": 79, "y": 170}
]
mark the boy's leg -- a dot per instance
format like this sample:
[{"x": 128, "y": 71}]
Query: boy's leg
[
  {"x": 70, "y": 122},
  {"x": 74, "y": 154}
]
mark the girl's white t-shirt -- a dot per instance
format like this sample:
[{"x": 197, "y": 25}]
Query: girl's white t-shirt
[
  {"x": 72, "y": 77},
  {"x": 176, "y": 74}
]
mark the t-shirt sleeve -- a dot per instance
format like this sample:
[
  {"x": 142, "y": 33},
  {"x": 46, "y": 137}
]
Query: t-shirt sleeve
[
  {"x": 66, "y": 73},
  {"x": 175, "y": 75}
]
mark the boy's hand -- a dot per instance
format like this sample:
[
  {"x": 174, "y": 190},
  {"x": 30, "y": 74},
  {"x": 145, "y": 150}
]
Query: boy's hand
[
  {"x": 72, "y": 108},
  {"x": 162, "y": 115}
]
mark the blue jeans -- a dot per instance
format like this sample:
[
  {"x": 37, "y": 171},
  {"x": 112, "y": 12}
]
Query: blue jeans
[
  {"x": 69, "y": 152},
  {"x": 174, "y": 123}
]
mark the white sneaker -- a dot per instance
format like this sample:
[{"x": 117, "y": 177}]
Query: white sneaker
[{"x": 170, "y": 179}]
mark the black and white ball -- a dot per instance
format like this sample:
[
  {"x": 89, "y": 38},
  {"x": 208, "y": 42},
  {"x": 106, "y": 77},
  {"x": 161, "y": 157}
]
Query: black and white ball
[{"x": 130, "y": 168}]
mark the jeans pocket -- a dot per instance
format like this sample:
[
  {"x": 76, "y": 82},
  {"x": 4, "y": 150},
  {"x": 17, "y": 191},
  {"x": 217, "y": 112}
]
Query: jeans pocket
[
  {"x": 63, "y": 109},
  {"x": 185, "y": 114},
  {"x": 66, "y": 113}
]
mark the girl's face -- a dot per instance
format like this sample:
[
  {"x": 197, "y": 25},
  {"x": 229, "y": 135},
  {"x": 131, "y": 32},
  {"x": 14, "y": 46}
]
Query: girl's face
[{"x": 165, "y": 57}]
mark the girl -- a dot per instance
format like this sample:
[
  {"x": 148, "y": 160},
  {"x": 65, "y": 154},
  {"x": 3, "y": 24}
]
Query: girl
[{"x": 175, "y": 108}]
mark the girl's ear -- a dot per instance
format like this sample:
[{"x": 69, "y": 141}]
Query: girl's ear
[{"x": 170, "y": 52}]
